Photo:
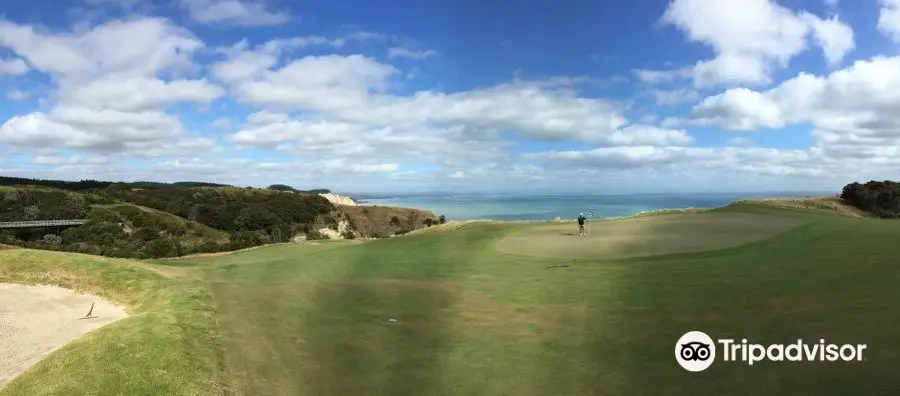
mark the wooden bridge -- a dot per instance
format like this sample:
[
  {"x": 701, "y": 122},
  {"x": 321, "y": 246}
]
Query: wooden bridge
[{"x": 42, "y": 223}]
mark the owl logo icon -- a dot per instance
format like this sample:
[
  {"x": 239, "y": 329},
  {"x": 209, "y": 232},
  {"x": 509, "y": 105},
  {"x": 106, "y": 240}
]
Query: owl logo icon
[{"x": 695, "y": 351}]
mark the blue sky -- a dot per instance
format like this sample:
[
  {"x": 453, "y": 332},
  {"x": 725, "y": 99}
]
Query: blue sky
[{"x": 391, "y": 96}]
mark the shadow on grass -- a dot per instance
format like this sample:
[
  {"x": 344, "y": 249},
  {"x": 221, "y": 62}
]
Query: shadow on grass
[{"x": 382, "y": 325}]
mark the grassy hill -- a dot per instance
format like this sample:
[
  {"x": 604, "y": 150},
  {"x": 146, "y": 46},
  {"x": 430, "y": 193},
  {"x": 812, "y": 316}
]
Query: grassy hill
[
  {"x": 168, "y": 346},
  {"x": 175, "y": 221},
  {"x": 459, "y": 313}
]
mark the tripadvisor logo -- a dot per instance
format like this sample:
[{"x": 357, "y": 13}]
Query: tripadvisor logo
[{"x": 696, "y": 351}]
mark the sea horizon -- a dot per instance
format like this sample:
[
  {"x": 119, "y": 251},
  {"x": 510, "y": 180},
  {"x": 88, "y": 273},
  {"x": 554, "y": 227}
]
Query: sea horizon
[{"x": 536, "y": 207}]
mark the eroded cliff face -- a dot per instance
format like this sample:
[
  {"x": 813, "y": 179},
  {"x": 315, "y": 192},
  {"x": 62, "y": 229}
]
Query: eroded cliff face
[
  {"x": 339, "y": 199},
  {"x": 383, "y": 221}
]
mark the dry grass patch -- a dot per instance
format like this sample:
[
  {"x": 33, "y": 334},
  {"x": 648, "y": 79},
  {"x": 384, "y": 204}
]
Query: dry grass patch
[{"x": 828, "y": 204}]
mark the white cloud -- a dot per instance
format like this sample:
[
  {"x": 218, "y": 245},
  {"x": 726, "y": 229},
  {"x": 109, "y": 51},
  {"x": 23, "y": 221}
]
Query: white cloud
[
  {"x": 660, "y": 76},
  {"x": 400, "y": 52},
  {"x": 234, "y": 12},
  {"x": 110, "y": 96},
  {"x": 740, "y": 109},
  {"x": 851, "y": 111},
  {"x": 698, "y": 160},
  {"x": 120, "y": 90},
  {"x": 753, "y": 38},
  {"x": 889, "y": 19},
  {"x": 139, "y": 93},
  {"x": 13, "y": 67},
  {"x": 317, "y": 82},
  {"x": 641, "y": 135},
  {"x": 17, "y": 95},
  {"x": 674, "y": 97},
  {"x": 138, "y": 47},
  {"x": 351, "y": 89},
  {"x": 833, "y": 36}
]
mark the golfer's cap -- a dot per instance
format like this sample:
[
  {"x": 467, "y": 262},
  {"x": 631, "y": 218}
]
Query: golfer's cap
[{"x": 582, "y": 214}]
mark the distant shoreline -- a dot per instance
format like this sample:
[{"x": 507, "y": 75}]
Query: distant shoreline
[{"x": 518, "y": 209}]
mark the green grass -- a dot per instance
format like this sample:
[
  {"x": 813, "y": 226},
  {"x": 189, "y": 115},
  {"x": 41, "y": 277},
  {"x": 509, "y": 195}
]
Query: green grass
[
  {"x": 169, "y": 344},
  {"x": 645, "y": 235},
  {"x": 475, "y": 320}
]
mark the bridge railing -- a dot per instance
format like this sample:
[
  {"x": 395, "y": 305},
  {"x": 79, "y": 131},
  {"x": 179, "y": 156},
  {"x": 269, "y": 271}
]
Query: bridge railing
[{"x": 42, "y": 223}]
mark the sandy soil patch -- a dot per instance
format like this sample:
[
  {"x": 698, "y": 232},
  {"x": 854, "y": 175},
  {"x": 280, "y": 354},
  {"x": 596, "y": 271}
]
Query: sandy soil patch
[{"x": 37, "y": 320}]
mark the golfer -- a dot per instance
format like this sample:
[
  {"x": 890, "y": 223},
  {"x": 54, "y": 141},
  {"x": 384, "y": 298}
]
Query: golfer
[{"x": 581, "y": 220}]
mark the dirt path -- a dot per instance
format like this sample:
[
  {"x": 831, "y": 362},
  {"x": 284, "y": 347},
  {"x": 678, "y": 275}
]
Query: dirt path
[{"x": 37, "y": 320}]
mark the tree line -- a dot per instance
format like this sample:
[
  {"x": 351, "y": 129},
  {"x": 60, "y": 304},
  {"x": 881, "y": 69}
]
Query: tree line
[
  {"x": 881, "y": 198},
  {"x": 90, "y": 184}
]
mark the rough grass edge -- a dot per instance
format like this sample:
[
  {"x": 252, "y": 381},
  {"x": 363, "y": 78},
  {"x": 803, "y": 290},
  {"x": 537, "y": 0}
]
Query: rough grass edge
[{"x": 128, "y": 283}]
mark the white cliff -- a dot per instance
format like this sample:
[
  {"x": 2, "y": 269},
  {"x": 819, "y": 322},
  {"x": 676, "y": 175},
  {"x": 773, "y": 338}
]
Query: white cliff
[{"x": 339, "y": 199}]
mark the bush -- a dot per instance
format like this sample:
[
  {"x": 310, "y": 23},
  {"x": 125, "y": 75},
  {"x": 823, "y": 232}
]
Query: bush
[
  {"x": 207, "y": 247},
  {"x": 162, "y": 247},
  {"x": 348, "y": 235},
  {"x": 313, "y": 235},
  {"x": 442, "y": 219},
  {"x": 52, "y": 239},
  {"x": 331, "y": 223}
]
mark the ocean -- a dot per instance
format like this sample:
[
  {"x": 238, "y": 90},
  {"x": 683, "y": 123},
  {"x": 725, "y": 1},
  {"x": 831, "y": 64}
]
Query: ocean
[{"x": 548, "y": 207}]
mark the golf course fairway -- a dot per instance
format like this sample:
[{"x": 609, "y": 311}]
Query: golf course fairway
[
  {"x": 492, "y": 309},
  {"x": 646, "y": 236}
]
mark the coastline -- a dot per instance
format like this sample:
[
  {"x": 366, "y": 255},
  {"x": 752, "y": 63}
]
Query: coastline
[
  {"x": 545, "y": 207},
  {"x": 807, "y": 202}
]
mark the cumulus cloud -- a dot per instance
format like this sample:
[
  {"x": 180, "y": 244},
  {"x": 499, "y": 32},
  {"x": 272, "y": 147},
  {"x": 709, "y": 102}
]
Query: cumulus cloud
[
  {"x": 753, "y": 38},
  {"x": 111, "y": 95},
  {"x": 889, "y": 19},
  {"x": 121, "y": 89},
  {"x": 851, "y": 112},
  {"x": 248, "y": 13},
  {"x": 683, "y": 160}
]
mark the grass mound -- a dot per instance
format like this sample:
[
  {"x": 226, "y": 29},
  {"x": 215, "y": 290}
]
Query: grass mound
[
  {"x": 645, "y": 235},
  {"x": 168, "y": 345},
  {"x": 821, "y": 204}
]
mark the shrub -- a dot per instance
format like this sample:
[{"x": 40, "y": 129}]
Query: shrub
[
  {"x": 52, "y": 239},
  {"x": 331, "y": 223},
  {"x": 348, "y": 235},
  {"x": 313, "y": 235}
]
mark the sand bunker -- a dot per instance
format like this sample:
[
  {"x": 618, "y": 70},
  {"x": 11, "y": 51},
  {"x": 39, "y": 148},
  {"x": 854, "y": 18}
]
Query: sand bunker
[{"x": 37, "y": 320}]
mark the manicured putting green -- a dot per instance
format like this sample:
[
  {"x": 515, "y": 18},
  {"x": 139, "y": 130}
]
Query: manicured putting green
[{"x": 646, "y": 236}]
